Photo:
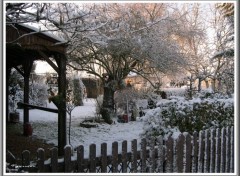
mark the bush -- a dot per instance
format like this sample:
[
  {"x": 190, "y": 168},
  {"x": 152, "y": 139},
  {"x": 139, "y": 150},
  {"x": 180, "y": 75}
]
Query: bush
[
  {"x": 38, "y": 94},
  {"x": 175, "y": 92},
  {"x": 179, "y": 114},
  {"x": 99, "y": 102},
  {"x": 76, "y": 91},
  {"x": 15, "y": 96}
]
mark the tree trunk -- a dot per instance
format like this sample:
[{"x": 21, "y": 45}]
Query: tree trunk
[
  {"x": 199, "y": 84},
  {"x": 207, "y": 84},
  {"x": 190, "y": 87},
  {"x": 214, "y": 84},
  {"x": 108, "y": 105}
]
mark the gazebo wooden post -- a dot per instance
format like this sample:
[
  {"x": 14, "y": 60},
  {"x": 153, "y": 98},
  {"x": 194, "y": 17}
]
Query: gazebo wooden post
[
  {"x": 62, "y": 135},
  {"x": 23, "y": 50},
  {"x": 8, "y": 72},
  {"x": 27, "y": 66}
]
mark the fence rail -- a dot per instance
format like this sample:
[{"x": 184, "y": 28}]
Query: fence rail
[{"x": 209, "y": 151}]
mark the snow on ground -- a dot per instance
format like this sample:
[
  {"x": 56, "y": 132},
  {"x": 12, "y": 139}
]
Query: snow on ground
[{"x": 45, "y": 127}]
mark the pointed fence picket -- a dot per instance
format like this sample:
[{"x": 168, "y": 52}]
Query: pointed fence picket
[{"x": 210, "y": 151}]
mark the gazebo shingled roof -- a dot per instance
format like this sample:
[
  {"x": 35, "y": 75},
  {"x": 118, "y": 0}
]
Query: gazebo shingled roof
[{"x": 24, "y": 45}]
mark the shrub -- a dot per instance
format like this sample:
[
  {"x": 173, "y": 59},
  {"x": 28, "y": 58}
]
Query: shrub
[
  {"x": 38, "y": 94},
  {"x": 76, "y": 91},
  {"x": 179, "y": 114},
  {"x": 99, "y": 102},
  {"x": 175, "y": 92}
]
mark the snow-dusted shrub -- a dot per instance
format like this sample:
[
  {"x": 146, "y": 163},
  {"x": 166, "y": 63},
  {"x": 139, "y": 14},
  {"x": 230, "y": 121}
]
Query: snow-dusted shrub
[
  {"x": 188, "y": 115},
  {"x": 15, "y": 96},
  {"x": 77, "y": 89},
  {"x": 175, "y": 91},
  {"x": 99, "y": 102},
  {"x": 38, "y": 94},
  {"x": 208, "y": 93},
  {"x": 156, "y": 125}
]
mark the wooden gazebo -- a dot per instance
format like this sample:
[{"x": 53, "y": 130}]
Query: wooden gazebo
[{"x": 24, "y": 45}]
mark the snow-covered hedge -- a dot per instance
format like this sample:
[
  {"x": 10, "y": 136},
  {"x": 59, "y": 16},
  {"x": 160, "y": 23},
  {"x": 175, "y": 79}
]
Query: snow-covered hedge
[
  {"x": 175, "y": 91},
  {"x": 179, "y": 114}
]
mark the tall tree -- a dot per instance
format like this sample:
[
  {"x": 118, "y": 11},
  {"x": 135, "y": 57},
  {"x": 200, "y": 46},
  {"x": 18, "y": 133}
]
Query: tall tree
[
  {"x": 135, "y": 38},
  {"x": 223, "y": 57},
  {"x": 194, "y": 46}
]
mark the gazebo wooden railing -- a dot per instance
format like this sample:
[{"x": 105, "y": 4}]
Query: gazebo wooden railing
[{"x": 20, "y": 104}]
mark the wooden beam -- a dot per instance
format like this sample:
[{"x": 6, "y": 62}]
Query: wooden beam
[
  {"x": 8, "y": 72},
  {"x": 19, "y": 71},
  {"x": 48, "y": 61},
  {"x": 20, "y": 104}
]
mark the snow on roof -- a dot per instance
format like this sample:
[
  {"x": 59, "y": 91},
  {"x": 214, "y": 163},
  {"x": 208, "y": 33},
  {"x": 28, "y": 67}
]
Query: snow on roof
[{"x": 46, "y": 33}]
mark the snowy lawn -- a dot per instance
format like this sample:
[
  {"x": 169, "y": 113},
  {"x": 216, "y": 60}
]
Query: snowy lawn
[{"x": 45, "y": 127}]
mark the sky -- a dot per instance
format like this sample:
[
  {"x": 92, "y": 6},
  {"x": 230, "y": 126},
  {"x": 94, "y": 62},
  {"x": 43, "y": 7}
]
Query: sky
[{"x": 43, "y": 67}]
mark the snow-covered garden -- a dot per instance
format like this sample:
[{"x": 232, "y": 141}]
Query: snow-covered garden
[
  {"x": 119, "y": 72},
  {"x": 45, "y": 126},
  {"x": 172, "y": 116}
]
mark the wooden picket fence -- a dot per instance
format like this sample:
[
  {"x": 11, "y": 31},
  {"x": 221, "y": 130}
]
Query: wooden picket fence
[{"x": 209, "y": 151}]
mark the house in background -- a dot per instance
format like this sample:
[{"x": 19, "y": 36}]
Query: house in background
[{"x": 139, "y": 83}]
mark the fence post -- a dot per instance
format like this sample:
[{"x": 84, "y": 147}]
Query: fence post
[
  {"x": 232, "y": 150},
  {"x": 206, "y": 152},
  {"x": 160, "y": 154},
  {"x": 67, "y": 159},
  {"x": 104, "y": 157},
  {"x": 25, "y": 160},
  {"x": 218, "y": 151},
  {"x": 223, "y": 150},
  {"x": 134, "y": 156},
  {"x": 124, "y": 156},
  {"x": 195, "y": 147},
  {"x": 213, "y": 150},
  {"x": 115, "y": 157},
  {"x": 152, "y": 155},
  {"x": 54, "y": 159},
  {"x": 80, "y": 158},
  {"x": 188, "y": 153},
  {"x": 201, "y": 152},
  {"x": 228, "y": 150},
  {"x": 143, "y": 155},
  {"x": 169, "y": 155},
  {"x": 92, "y": 157},
  {"x": 179, "y": 153},
  {"x": 40, "y": 160}
]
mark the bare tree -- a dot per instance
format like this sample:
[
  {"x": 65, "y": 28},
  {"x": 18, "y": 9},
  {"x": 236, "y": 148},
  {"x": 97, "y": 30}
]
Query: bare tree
[
  {"x": 194, "y": 46},
  {"x": 223, "y": 59}
]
